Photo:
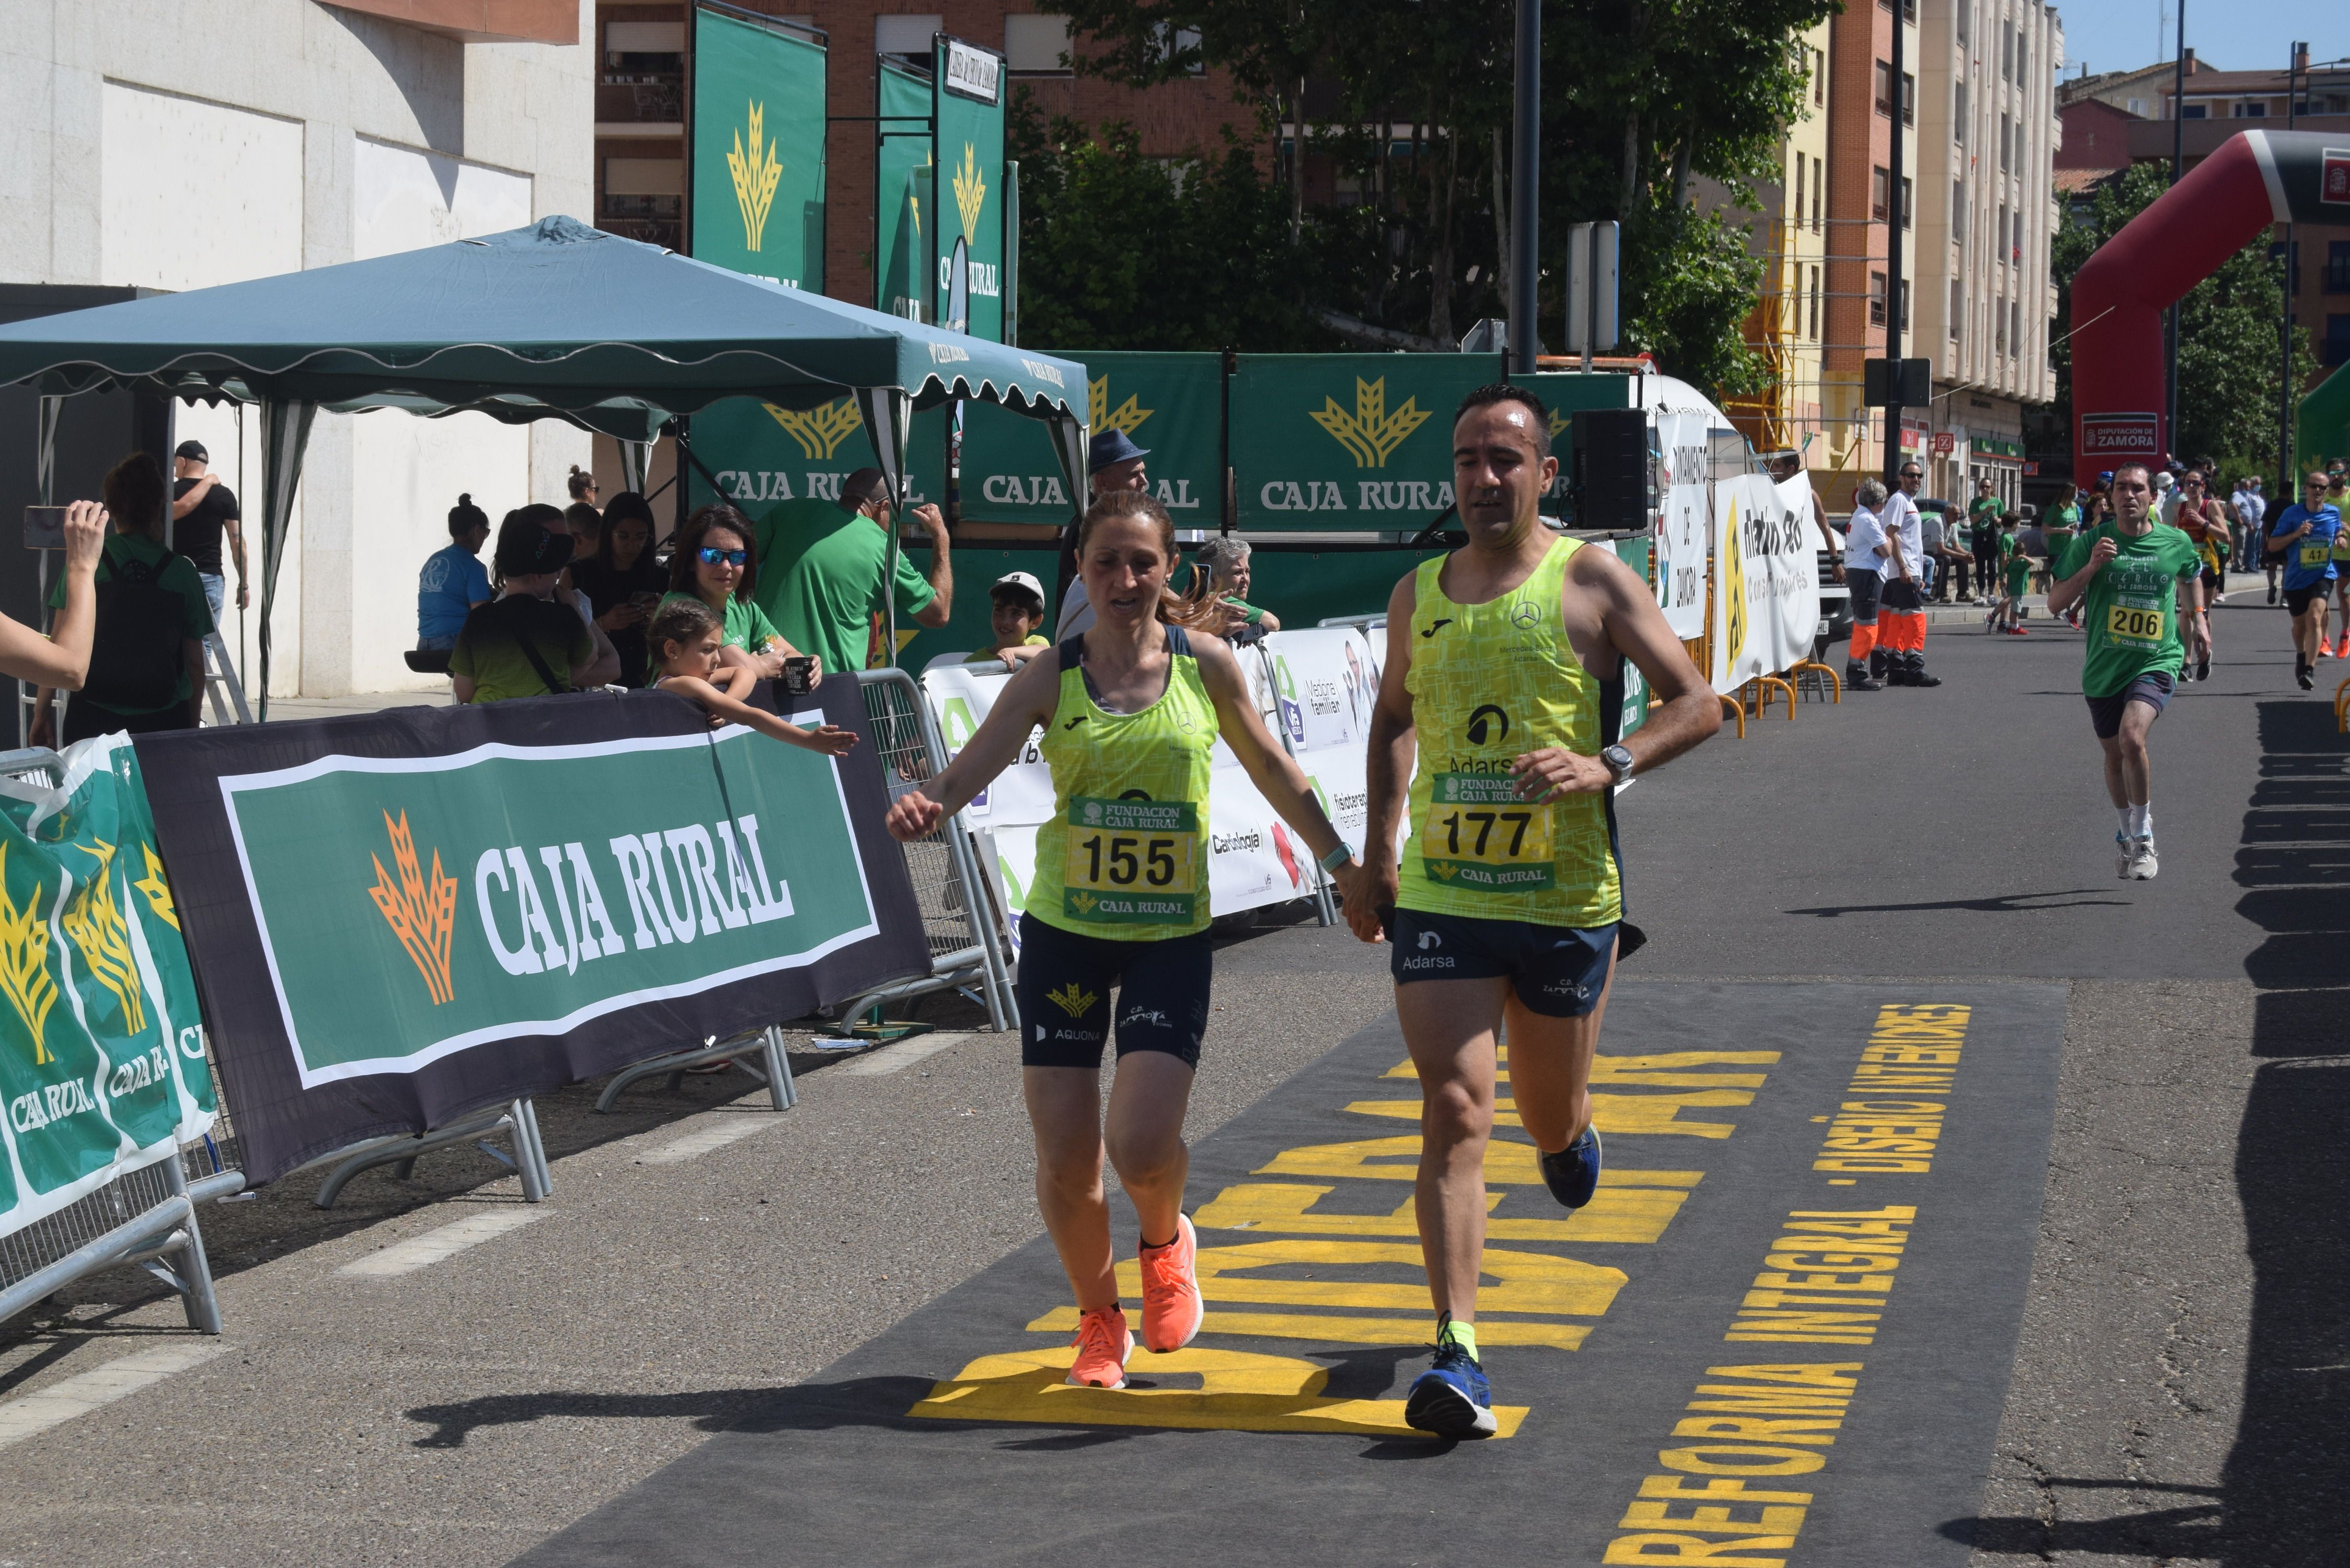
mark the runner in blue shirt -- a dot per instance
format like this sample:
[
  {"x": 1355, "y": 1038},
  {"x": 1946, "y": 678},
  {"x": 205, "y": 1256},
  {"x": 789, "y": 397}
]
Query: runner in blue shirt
[{"x": 2302, "y": 535}]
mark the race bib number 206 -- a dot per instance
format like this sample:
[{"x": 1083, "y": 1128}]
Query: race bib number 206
[{"x": 2135, "y": 623}]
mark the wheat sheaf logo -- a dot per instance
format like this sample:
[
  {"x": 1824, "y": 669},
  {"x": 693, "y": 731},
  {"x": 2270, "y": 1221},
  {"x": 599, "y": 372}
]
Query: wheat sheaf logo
[
  {"x": 157, "y": 888},
  {"x": 1071, "y": 1000},
  {"x": 94, "y": 920},
  {"x": 971, "y": 194},
  {"x": 24, "y": 961},
  {"x": 821, "y": 430},
  {"x": 1372, "y": 433},
  {"x": 1733, "y": 587},
  {"x": 755, "y": 176},
  {"x": 1128, "y": 416},
  {"x": 423, "y": 915}
]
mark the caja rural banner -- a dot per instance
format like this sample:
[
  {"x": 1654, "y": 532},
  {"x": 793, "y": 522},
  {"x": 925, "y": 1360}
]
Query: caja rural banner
[
  {"x": 901, "y": 203},
  {"x": 102, "y": 1068},
  {"x": 1766, "y": 594},
  {"x": 758, "y": 149},
  {"x": 1171, "y": 404},
  {"x": 399, "y": 917},
  {"x": 758, "y": 163},
  {"x": 1329, "y": 441},
  {"x": 968, "y": 98}
]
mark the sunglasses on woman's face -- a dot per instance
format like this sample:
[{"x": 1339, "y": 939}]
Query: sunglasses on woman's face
[{"x": 711, "y": 556}]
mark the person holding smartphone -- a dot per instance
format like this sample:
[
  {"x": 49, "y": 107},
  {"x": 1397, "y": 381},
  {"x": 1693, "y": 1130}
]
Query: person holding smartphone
[
  {"x": 61, "y": 661},
  {"x": 623, "y": 582}
]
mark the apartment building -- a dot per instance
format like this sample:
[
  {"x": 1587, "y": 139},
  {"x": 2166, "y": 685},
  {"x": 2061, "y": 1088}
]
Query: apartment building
[
  {"x": 1869, "y": 208},
  {"x": 640, "y": 94},
  {"x": 158, "y": 148},
  {"x": 1789, "y": 323},
  {"x": 1988, "y": 138}
]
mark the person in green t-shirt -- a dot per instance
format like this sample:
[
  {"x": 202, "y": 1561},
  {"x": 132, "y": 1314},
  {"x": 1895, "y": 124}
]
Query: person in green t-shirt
[
  {"x": 145, "y": 670},
  {"x": 822, "y": 584},
  {"x": 2015, "y": 572},
  {"x": 2141, "y": 582},
  {"x": 716, "y": 561}
]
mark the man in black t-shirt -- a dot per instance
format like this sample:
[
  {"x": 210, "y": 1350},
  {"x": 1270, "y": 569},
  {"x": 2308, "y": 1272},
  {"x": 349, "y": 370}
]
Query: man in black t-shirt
[{"x": 204, "y": 510}]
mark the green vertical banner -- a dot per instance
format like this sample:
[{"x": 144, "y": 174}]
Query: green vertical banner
[
  {"x": 758, "y": 149},
  {"x": 901, "y": 205},
  {"x": 1171, "y": 405},
  {"x": 102, "y": 1065},
  {"x": 758, "y": 125},
  {"x": 1347, "y": 442},
  {"x": 971, "y": 182}
]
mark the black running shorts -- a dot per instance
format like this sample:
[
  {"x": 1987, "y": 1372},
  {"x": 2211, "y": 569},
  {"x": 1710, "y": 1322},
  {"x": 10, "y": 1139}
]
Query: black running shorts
[
  {"x": 1559, "y": 971},
  {"x": 1063, "y": 994},
  {"x": 2297, "y": 600},
  {"x": 2153, "y": 688}
]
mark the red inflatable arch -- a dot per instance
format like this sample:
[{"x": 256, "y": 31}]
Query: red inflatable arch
[{"x": 2256, "y": 178}]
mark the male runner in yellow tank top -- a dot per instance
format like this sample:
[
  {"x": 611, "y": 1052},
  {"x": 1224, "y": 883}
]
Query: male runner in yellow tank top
[{"x": 1504, "y": 678}]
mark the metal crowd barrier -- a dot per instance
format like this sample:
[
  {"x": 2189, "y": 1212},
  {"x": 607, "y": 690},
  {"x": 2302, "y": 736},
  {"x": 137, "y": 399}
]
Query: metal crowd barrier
[
  {"x": 145, "y": 1218},
  {"x": 967, "y": 949},
  {"x": 518, "y": 1119}
]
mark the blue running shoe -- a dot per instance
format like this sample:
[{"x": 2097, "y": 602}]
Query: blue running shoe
[
  {"x": 1452, "y": 1399},
  {"x": 1573, "y": 1173}
]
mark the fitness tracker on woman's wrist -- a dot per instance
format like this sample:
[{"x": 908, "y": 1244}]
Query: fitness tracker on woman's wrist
[{"x": 1337, "y": 858}]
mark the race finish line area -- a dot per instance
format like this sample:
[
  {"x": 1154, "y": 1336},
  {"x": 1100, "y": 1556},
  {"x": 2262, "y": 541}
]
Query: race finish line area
[{"x": 1780, "y": 1333}]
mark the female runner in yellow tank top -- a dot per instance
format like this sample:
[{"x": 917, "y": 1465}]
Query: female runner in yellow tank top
[{"x": 1132, "y": 709}]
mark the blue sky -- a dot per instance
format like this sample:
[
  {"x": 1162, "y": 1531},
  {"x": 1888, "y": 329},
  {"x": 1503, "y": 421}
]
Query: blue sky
[{"x": 2231, "y": 34}]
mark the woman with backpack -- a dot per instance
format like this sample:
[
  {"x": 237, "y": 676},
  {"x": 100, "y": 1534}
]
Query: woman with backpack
[{"x": 146, "y": 655}]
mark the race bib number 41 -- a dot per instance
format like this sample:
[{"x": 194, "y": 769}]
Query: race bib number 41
[
  {"x": 2135, "y": 623},
  {"x": 1131, "y": 862},
  {"x": 2316, "y": 555},
  {"x": 1480, "y": 836}
]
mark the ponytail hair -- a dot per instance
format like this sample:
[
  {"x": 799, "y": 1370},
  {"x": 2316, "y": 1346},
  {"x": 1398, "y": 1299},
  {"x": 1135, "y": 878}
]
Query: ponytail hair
[
  {"x": 464, "y": 517},
  {"x": 1201, "y": 607},
  {"x": 581, "y": 482}
]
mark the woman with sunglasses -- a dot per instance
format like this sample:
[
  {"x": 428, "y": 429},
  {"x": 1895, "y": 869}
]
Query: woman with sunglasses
[{"x": 716, "y": 562}]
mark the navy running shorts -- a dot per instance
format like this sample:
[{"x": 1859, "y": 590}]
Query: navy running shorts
[
  {"x": 1063, "y": 994},
  {"x": 1559, "y": 971},
  {"x": 2154, "y": 689}
]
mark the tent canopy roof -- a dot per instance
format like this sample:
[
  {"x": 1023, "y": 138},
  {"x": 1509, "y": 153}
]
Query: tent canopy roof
[{"x": 557, "y": 320}]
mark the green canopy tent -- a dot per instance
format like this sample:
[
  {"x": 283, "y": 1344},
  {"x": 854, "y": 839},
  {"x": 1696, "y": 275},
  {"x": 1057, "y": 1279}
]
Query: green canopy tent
[
  {"x": 554, "y": 321},
  {"x": 2321, "y": 425}
]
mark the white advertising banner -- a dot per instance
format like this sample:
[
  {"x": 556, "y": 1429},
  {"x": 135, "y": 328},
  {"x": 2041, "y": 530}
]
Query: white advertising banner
[
  {"x": 1318, "y": 686},
  {"x": 1766, "y": 589},
  {"x": 1685, "y": 533}
]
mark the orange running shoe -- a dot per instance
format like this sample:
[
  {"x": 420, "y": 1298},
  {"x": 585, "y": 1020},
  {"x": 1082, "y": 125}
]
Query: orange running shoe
[
  {"x": 1103, "y": 1344},
  {"x": 1170, "y": 1291}
]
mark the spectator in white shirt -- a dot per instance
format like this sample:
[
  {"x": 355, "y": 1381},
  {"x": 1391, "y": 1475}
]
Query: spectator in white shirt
[
  {"x": 1901, "y": 635},
  {"x": 1863, "y": 574}
]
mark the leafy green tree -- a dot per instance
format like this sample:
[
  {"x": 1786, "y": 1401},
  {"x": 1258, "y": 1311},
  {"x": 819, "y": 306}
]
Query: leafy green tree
[
  {"x": 1641, "y": 98},
  {"x": 2226, "y": 332}
]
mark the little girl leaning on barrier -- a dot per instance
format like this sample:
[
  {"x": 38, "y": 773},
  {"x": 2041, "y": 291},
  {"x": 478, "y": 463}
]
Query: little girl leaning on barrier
[{"x": 684, "y": 639}]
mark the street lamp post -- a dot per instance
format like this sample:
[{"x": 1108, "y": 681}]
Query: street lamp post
[
  {"x": 1896, "y": 214},
  {"x": 1526, "y": 180}
]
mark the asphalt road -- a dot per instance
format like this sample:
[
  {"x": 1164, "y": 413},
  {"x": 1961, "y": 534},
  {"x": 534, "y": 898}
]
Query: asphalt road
[{"x": 2177, "y": 1391}]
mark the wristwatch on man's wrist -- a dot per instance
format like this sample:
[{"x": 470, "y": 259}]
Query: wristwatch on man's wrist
[{"x": 1618, "y": 763}]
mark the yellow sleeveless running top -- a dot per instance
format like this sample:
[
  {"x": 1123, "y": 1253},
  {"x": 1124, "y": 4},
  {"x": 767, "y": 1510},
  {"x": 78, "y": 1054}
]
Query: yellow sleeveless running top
[
  {"x": 1125, "y": 855},
  {"x": 1490, "y": 682}
]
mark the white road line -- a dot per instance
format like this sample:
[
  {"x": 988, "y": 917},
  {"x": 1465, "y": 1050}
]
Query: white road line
[
  {"x": 37, "y": 1412},
  {"x": 721, "y": 1129},
  {"x": 417, "y": 1252},
  {"x": 897, "y": 1057}
]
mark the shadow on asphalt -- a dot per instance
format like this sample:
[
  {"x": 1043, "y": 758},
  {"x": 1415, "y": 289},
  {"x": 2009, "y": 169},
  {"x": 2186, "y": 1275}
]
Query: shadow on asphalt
[
  {"x": 2279, "y": 1501},
  {"x": 1998, "y": 904}
]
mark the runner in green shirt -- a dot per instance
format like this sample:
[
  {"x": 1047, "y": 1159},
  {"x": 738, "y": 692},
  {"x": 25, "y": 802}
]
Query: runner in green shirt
[{"x": 2141, "y": 582}]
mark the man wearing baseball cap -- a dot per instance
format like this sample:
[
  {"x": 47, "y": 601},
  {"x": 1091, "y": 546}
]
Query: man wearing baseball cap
[
  {"x": 1113, "y": 462},
  {"x": 1016, "y": 610},
  {"x": 205, "y": 512}
]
